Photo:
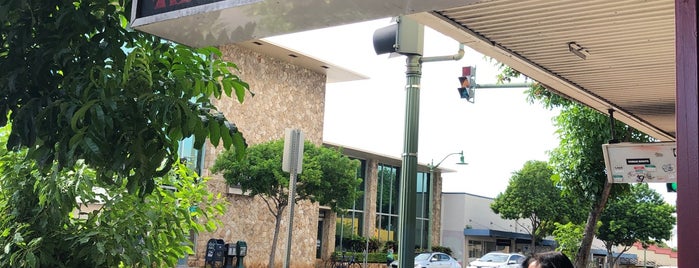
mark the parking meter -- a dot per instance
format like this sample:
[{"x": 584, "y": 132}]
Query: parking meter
[
  {"x": 241, "y": 250},
  {"x": 231, "y": 252}
]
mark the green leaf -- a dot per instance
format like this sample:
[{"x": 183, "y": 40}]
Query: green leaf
[
  {"x": 240, "y": 89},
  {"x": 226, "y": 137},
  {"x": 31, "y": 259},
  {"x": 239, "y": 145},
  {"x": 214, "y": 132},
  {"x": 80, "y": 114}
]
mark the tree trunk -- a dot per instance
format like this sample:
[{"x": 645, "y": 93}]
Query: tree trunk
[
  {"x": 535, "y": 226},
  {"x": 533, "y": 247},
  {"x": 277, "y": 224},
  {"x": 582, "y": 259},
  {"x": 610, "y": 256}
]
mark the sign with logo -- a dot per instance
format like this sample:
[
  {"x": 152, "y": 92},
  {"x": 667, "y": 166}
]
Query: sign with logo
[{"x": 641, "y": 162}]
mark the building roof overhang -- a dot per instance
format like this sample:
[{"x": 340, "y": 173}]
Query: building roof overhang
[{"x": 624, "y": 57}]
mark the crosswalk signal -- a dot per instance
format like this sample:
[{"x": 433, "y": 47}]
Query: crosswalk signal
[
  {"x": 468, "y": 83},
  {"x": 671, "y": 187}
]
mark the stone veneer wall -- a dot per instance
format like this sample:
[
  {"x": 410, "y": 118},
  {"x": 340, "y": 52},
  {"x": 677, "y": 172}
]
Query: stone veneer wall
[
  {"x": 370, "y": 196},
  {"x": 286, "y": 96},
  {"x": 437, "y": 209}
]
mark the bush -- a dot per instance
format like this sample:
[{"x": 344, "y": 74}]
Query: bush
[
  {"x": 357, "y": 243},
  {"x": 446, "y": 250},
  {"x": 377, "y": 257},
  {"x": 374, "y": 244}
]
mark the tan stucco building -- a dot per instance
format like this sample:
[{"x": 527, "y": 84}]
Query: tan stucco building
[{"x": 289, "y": 92}]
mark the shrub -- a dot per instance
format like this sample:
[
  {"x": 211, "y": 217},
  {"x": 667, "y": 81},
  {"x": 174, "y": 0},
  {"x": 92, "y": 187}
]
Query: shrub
[
  {"x": 377, "y": 257},
  {"x": 443, "y": 249}
]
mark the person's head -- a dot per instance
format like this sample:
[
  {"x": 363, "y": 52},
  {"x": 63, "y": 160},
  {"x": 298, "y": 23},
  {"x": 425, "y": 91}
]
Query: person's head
[{"x": 551, "y": 259}]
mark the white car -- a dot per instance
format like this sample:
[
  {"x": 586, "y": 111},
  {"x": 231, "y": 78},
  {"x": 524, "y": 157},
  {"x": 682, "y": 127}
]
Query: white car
[
  {"x": 498, "y": 260},
  {"x": 432, "y": 260}
]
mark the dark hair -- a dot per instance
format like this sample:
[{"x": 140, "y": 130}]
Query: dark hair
[{"x": 551, "y": 259}]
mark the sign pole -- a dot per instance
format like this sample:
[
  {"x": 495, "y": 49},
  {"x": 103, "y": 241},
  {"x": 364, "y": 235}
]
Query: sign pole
[{"x": 292, "y": 162}]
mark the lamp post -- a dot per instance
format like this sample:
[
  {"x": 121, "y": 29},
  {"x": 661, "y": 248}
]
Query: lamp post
[{"x": 430, "y": 206}]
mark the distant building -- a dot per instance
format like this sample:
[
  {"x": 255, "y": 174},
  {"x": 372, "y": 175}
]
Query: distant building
[{"x": 471, "y": 229}]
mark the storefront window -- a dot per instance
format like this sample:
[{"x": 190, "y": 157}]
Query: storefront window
[
  {"x": 350, "y": 224},
  {"x": 387, "y": 199},
  {"x": 387, "y": 203}
]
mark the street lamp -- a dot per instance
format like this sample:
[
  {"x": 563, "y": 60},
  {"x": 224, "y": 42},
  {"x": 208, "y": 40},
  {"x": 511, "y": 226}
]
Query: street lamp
[{"x": 432, "y": 167}]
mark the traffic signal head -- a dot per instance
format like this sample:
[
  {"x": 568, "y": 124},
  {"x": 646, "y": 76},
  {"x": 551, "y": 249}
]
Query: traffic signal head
[
  {"x": 468, "y": 83},
  {"x": 405, "y": 37}
]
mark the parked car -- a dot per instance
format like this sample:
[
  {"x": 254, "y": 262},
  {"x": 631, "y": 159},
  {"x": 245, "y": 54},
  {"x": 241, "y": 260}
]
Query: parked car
[
  {"x": 498, "y": 260},
  {"x": 432, "y": 260}
]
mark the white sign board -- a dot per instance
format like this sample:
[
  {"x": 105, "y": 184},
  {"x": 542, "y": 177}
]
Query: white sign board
[{"x": 641, "y": 162}]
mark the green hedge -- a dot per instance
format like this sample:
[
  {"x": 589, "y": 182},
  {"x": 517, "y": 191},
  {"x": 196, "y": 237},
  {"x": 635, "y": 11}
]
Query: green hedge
[
  {"x": 446, "y": 250},
  {"x": 359, "y": 256},
  {"x": 380, "y": 257}
]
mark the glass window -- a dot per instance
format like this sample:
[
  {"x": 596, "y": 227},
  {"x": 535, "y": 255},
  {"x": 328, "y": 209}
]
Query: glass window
[
  {"x": 421, "y": 233},
  {"x": 423, "y": 196},
  {"x": 516, "y": 258},
  {"x": 475, "y": 249},
  {"x": 422, "y": 210},
  {"x": 490, "y": 246},
  {"x": 190, "y": 155},
  {"x": 387, "y": 202},
  {"x": 352, "y": 222}
]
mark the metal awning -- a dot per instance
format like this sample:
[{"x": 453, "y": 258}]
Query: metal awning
[
  {"x": 624, "y": 55},
  {"x": 628, "y": 45}
]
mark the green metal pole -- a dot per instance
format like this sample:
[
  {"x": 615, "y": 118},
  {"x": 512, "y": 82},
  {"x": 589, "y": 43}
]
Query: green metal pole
[
  {"x": 408, "y": 177},
  {"x": 430, "y": 207}
]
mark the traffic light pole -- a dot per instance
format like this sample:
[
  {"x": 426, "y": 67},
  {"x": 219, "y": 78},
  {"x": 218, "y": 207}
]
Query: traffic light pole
[
  {"x": 406, "y": 38},
  {"x": 408, "y": 176}
]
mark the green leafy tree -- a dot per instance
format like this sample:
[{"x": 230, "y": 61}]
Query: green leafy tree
[
  {"x": 77, "y": 85},
  {"x": 532, "y": 195},
  {"x": 94, "y": 105},
  {"x": 42, "y": 225},
  {"x": 578, "y": 159},
  {"x": 327, "y": 177},
  {"x": 642, "y": 215},
  {"x": 580, "y": 162},
  {"x": 568, "y": 237}
]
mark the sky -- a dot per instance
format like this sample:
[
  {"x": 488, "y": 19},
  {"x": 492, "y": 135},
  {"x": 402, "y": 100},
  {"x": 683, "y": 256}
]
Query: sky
[{"x": 497, "y": 133}]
